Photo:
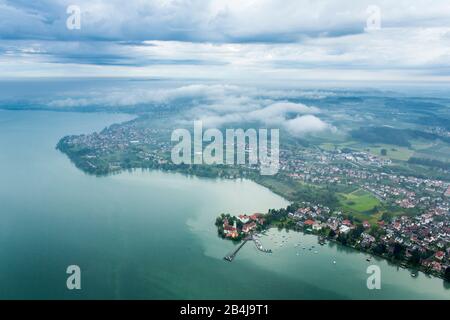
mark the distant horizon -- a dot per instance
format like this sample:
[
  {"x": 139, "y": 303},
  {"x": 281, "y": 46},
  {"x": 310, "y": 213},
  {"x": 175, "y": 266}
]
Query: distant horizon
[{"x": 292, "y": 41}]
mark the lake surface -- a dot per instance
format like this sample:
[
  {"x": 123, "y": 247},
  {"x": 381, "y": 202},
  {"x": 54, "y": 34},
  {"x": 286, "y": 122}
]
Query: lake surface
[{"x": 151, "y": 235}]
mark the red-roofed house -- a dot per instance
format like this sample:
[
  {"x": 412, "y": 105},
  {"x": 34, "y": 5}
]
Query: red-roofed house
[
  {"x": 436, "y": 266},
  {"x": 258, "y": 217},
  {"x": 439, "y": 255},
  {"x": 347, "y": 223},
  {"x": 244, "y": 218},
  {"x": 233, "y": 234},
  {"x": 255, "y": 216},
  {"x": 248, "y": 227},
  {"x": 230, "y": 232}
]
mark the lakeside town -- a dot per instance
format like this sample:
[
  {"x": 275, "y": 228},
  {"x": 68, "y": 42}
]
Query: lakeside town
[
  {"x": 421, "y": 242},
  {"x": 361, "y": 199}
]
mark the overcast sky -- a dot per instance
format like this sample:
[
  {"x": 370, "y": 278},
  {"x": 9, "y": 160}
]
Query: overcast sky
[{"x": 228, "y": 39}]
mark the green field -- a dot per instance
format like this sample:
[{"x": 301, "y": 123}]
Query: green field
[
  {"x": 359, "y": 201},
  {"x": 393, "y": 152},
  {"x": 437, "y": 151},
  {"x": 420, "y": 148},
  {"x": 330, "y": 146}
]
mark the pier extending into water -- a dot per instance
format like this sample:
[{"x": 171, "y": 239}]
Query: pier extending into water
[
  {"x": 229, "y": 257},
  {"x": 232, "y": 255}
]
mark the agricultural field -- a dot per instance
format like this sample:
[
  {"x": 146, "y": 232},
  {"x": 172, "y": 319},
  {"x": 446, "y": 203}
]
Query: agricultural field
[
  {"x": 437, "y": 151},
  {"x": 419, "y": 147},
  {"x": 392, "y": 152},
  {"x": 359, "y": 201}
]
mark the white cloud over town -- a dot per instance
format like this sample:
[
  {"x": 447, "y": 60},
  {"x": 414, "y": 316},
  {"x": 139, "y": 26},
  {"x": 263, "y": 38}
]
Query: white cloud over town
[{"x": 218, "y": 105}]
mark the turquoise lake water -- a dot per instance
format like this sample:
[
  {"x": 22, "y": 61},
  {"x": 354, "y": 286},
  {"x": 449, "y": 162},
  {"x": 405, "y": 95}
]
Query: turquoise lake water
[{"x": 151, "y": 235}]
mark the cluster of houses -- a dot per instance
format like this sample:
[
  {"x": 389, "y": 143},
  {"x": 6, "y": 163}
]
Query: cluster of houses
[
  {"x": 325, "y": 167},
  {"x": 322, "y": 167},
  {"x": 145, "y": 144},
  {"x": 317, "y": 217},
  {"x": 428, "y": 234},
  {"x": 248, "y": 224}
]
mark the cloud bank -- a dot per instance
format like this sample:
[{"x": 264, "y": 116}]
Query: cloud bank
[
  {"x": 218, "y": 105},
  {"x": 227, "y": 39},
  {"x": 211, "y": 20}
]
